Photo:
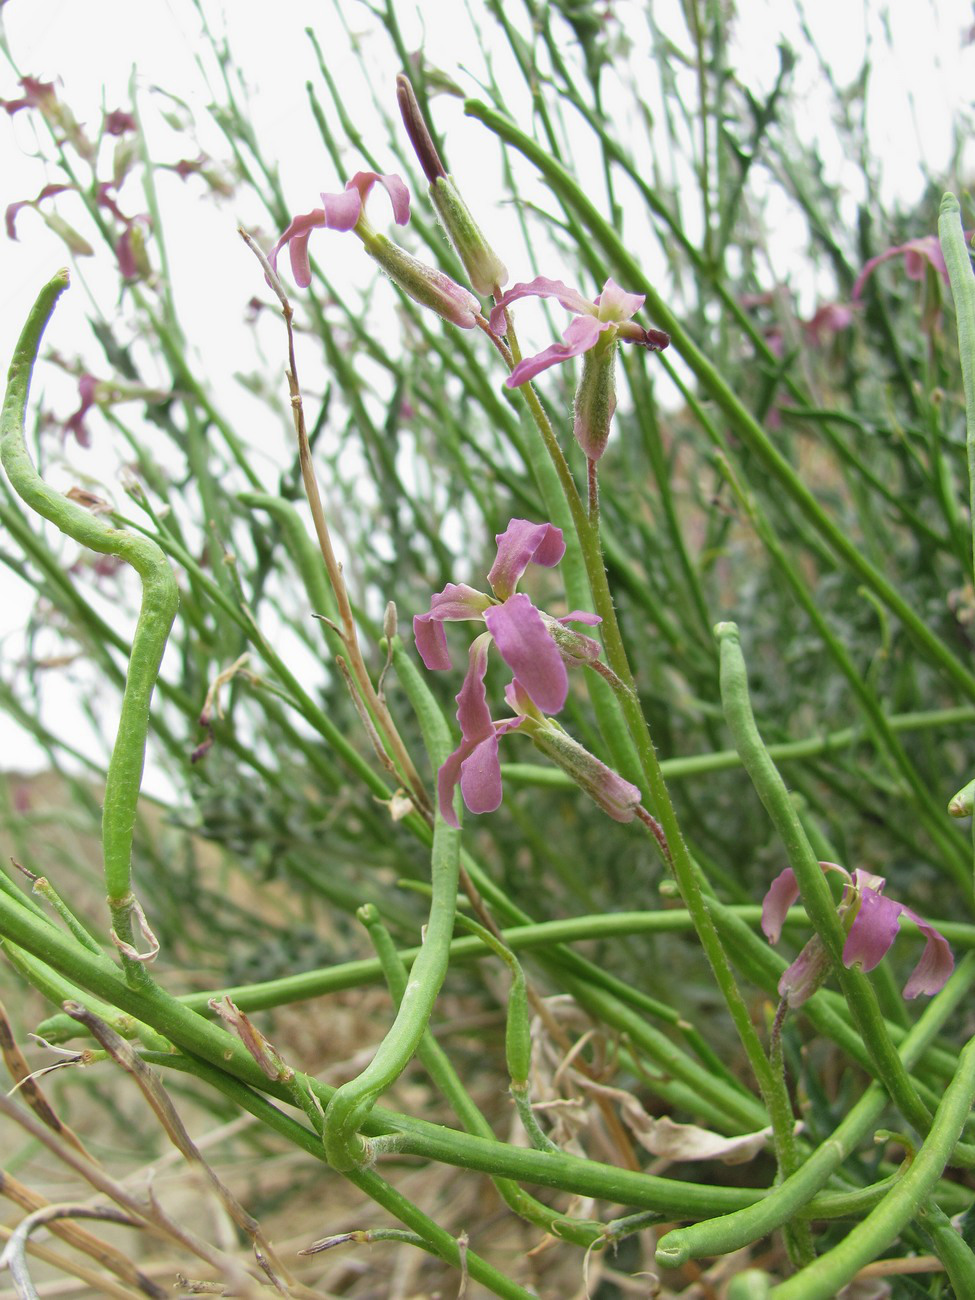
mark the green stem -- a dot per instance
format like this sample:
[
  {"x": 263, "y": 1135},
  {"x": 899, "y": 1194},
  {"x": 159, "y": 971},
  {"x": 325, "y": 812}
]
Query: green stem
[
  {"x": 950, "y": 1247},
  {"x": 825, "y": 1277},
  {"x": 352, "y": 1102},
  {"x": 160, "y": 599},
  {"x": 733, "y": 1231},
  {"x": 438, "y": 1065},
  {"x": 815, "y": 891},
  {"x": 962, "y": 278}
]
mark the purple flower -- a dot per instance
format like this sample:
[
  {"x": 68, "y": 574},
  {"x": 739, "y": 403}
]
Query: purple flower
[
  {"x": 918, "y": 254},
  {"x": 533, "y": 645},
  {"x": 608, "y": 316},
  {"x": 338, "y": 212},
  {"x": 118, "y": 122},
  {"x": 829, "y": 318},
  {"x": 87, "y": 385},
  {"x": 474, "y": 763},
  {"x": 346, "y": 211},
  {"x": 870, "y": 933},
  {"x": 37, "y": 94}
]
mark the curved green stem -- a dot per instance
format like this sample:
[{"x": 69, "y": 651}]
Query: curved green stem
[
  {"x": 438, "y": 1065},
  {"x": 815, "y": 891},
  {"x": 950, "y": 1247},
  {"x": 160, "y": 599},
  {"x": 351, "y": 1103},
  {"x": 827, "y": 1275}
]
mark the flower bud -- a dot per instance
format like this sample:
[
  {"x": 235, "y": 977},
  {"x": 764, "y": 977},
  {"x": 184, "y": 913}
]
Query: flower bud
[
  {"x": 424, "y": 284},
  {"x": 485, "y": 268},
  {"x": 962, "y": 803},
  {"x": 615, "y": 796},
  {"x": 596, "y": 399}
]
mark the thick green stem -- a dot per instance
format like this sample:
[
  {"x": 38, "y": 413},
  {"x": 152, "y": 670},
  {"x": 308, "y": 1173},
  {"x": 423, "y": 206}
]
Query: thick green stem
[
  {"x": 815, "y": 891},
  {"x": 160, "y": 599},
  {"x": 824, "y": 1278},
  {"x": 352, "y": 1102}
]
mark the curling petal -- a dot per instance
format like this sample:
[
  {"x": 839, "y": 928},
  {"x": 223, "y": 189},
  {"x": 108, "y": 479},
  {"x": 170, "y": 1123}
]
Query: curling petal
[
  {"x": 455, "y": 603},
  {"x": 616, "y": 305},
  {"x": 529, "y": 651},
  {"x": 296, "y": 237},
  {"x": 873, "y": 931},
  {"x": 523, "y": 543},
  {"x": 782, "y": 893},
  {"x": 581, "y": 334},
  {"x": 541, "y": 287}
]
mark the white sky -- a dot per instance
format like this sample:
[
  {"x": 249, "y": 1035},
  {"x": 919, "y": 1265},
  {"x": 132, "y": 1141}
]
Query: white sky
[{"x": 918, "y": 84}]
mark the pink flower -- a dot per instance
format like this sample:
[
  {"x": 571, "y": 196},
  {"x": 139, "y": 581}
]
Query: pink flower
[
  {"x": 37, "y": 94},
  {"x": 12, "y": 210},
  {"x": 535, "y": 646},
  {"x": 829, "y": 318},
  {"x": 527, "y": 640},
  {"x": 118, "y": 122},
  {"x": 424, "y": 284},
  {"x": 607, "y": 316},
  {"x": 338, "y": 212},
  {"x": 870, "y": 934},
  {"x": 918, "y": 254},
  {"x": 87, "y": 384},
  {"x": 475, "y": 763}
]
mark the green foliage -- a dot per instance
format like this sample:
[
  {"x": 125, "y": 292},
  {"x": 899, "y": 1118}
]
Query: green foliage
[{"x": 795, "y": 464}]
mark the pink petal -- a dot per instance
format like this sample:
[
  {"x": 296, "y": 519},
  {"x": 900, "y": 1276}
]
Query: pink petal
[
  {"x": 480, "y": 776},
  {"x": 581, "y": 616},
  {"x": 921, "y": 253},
  {"x": 782, "y": 893},
  {"x": 529, "y": 651},
  {"x": 455, "y": 603},
  {"x": 475, "y": 764},
  {"x": 431, "y": 642},
  {"x": 615, "y": 304},
  {"x": 540, "y": 287},
  {"x": 447, "y": 778},
  {"x": 917, "y": 252},
  {"x": 579, "y": 336},
  {"x": 399, "y": 195},
  {"x": 472, "y": 710},
  {"x": 873, "y": 931},
  {"x": 931, "y": 973},
  {"x": 342, "y": 210},
  {"x": 523, "y": 543},
  {"x": 296, "y": 236}
]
